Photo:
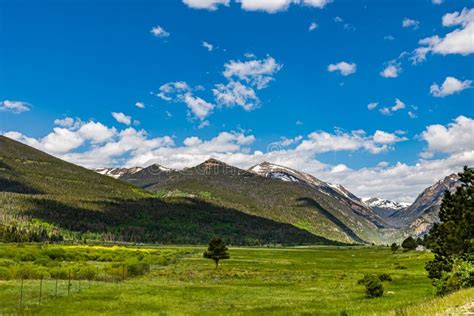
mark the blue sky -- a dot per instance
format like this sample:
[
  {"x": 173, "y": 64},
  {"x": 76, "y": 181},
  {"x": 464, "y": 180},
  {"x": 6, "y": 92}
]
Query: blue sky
[{"x": 85, "y": 60}]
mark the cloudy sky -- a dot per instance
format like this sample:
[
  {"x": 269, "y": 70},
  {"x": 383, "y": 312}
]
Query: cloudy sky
[{"x": 374, "y": 95}]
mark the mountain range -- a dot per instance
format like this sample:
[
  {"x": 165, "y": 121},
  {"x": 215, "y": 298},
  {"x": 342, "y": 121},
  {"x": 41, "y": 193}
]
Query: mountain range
[
  {"x": 40, "y": 193},
  {"x": 392, "y": 219},
  {"x": 266, "y": 204}
]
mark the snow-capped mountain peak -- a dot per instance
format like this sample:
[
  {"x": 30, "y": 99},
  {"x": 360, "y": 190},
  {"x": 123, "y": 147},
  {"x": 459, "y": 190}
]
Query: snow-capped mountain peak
[
  {"x": 383, "y": 203},
  {"x": 336, "y": 191},
  {"x": 118, "y": 172}
]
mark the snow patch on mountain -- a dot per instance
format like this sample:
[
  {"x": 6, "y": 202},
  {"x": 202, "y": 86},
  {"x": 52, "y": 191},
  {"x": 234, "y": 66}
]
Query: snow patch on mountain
[
  {"x": 118, "y": 172},
  {"x": 386, "y": 204}
]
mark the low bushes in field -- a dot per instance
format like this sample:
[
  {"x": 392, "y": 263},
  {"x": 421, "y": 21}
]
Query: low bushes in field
[
  {"x": 400, "y": 266},
  {"x": 373, "y": 284},
  {"x": 80, "y": 263}
]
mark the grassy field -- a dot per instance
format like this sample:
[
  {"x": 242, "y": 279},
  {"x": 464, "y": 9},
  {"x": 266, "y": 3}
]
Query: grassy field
[{"x": 319, "y": 280}]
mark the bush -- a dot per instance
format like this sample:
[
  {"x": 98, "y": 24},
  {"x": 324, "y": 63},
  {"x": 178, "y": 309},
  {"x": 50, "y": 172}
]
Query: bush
[
  {"x": 373, "y": 285},
  {"x": 385, "y": 277},
  {"x": 29, "y": 271},
  {"x": 135, "y": 268},
  {"x": 409, "y": 243},
  {"x": 394, "y": 247},
  {"x": 366, "y": 279},
  {"x": 59, "y": 273},
  {"x": 461, "y": 276},
  {"x": 374, "y": 288}
]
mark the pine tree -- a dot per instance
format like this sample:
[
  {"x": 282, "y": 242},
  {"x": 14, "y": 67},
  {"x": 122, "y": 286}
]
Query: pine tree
[
  {"x": 452, "y": 239},
  {"x": 217, "y": 250}
]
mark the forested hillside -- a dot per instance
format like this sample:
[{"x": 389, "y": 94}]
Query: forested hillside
[
  {"x": 299, "y": 204},
  {"x": 44, "y": 198}
]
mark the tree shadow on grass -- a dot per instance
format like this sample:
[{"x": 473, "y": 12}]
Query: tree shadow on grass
[
  {"x": 169, "y": 221},
  {"x": 9, "y": 184},
  {"x": 13, "y": 186},
  {"x": 306, "y": 201}
]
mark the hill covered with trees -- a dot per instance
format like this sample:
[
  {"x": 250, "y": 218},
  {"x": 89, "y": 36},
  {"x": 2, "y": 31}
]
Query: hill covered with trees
[{"x": 44, "y": 198}]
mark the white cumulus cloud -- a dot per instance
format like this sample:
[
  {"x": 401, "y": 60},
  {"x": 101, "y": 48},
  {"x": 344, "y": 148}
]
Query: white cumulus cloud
[
  {"x": 210, "y": 5},
  {"x": 274, "y": 6},
  {"x": 460, "y": 41},
  {"x": 392, "y": 70},
  {"x": 14, "y": 106},
  {"x": 372, "y": 105},
  {"x": 407, "y": 22},
  {"x": 235, "y": 93},
  {"x": 457, "y": 137},
  {"x": 343, "y": 67},
  {"x": 258, "y": 72},
  {"x": 450, "y": 86},
  {"x": 122, "y": 118},
  {"x": 400, "y": 181},
  {"x": 158, "y": 31}
]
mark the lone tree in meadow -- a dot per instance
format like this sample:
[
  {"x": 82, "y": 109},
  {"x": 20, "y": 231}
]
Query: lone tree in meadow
[
  {"x": 394, "y": 247},
  {"x": 452, "y": 239},
  {"x": 409, "y": 243},
  {"x": 217, "y": 250}
]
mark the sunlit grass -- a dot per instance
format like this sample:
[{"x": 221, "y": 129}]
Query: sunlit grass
[{"x": 256, "y": 281}]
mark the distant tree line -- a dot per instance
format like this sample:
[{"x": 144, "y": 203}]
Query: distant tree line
[{"x": 28, "y": 232}]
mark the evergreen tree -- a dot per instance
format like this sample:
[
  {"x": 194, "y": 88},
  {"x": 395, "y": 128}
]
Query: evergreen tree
[
  {"x": 452, "y": 239},
  {"x": 217, "y": 250},
  {"x": 394, "y": 247},
  {"x": 409, "y": 243}
]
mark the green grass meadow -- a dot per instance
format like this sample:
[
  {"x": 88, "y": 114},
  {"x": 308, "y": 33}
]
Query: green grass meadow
[{"x": 256, "y": 281}]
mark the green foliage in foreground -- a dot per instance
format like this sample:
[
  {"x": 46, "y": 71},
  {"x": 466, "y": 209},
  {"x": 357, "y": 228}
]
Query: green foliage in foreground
[
  {"x": 258, "y": 281},
  {"x": 452, "y": 240}
]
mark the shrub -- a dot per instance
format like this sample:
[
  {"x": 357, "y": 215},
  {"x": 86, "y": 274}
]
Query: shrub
[
  {"x": 373, "y": 285},
  {"x": 135, "y": 267},
  {"x": 461, "y": 276},
  {"x": 374, "y": 288},
  {"x": 59, "y": 273},
  {"x": 394, "y": 247},
  {"x": 385, "y": 277},
  {"x": 29, "y": 271},
  {"x": 366, "y": 279}
]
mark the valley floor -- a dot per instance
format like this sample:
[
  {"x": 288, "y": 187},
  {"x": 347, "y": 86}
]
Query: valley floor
[{"x": 258, "y": 281}]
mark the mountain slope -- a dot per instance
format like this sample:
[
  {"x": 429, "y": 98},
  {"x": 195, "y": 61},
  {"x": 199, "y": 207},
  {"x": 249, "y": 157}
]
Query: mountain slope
[
  {"x": 336, "y": 191},
  {"x": 296, "y": 203},
  {"x": 42, "y": 196},
  {"x": 423, "y": 213}
]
